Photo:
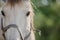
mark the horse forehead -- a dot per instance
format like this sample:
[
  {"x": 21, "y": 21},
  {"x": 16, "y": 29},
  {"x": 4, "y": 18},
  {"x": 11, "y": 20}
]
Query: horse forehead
[{"x": 16, "y": 8}]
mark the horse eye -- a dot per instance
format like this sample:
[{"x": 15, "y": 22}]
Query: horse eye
[
  {"x": 3, "y": 13},
  {"x": 28, "y": 13}
]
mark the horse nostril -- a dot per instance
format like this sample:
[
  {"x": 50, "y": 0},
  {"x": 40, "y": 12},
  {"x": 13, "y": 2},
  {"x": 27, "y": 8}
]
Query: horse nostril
[
  {"x": 28, "y": 13},
  {"x": 3, "y": 13}
]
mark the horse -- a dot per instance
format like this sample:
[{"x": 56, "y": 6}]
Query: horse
[{"x": 18, "y": 20}]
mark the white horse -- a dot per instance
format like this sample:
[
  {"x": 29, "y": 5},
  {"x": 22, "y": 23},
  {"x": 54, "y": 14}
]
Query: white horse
[{"x": 18, "y": 20}]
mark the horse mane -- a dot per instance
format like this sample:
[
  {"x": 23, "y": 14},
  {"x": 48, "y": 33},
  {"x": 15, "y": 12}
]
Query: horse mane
[{"x": 13, "y": 2}]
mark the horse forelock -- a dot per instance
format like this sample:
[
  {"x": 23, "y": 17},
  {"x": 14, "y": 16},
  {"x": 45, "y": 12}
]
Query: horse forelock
[{"x": 13, "y": 2}]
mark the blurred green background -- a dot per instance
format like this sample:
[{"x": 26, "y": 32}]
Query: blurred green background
[{"x": 47, "y": 19}]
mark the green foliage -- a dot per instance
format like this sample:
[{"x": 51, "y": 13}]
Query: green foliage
[{"x": 47, "y": 19}]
